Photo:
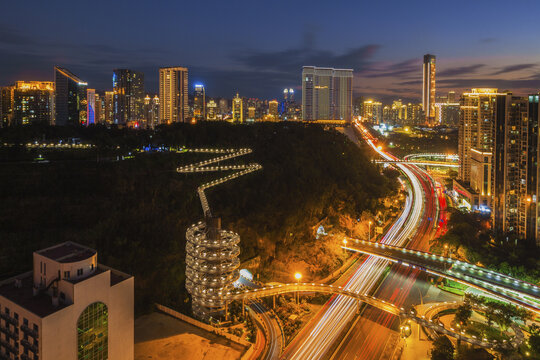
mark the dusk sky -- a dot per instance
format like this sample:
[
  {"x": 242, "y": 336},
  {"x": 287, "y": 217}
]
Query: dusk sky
[{"x": 258, "y": 48}]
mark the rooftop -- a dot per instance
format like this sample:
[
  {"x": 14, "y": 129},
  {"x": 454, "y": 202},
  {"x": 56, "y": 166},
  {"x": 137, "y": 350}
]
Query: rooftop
[{"x": 67, "y": 252}]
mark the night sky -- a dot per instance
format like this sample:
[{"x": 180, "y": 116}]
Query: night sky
[{"x": 258, "y": 47}]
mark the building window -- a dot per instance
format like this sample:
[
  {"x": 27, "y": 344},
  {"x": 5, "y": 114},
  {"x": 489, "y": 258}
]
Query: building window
[
  {"x": 66, "y": 274},
  {"x": 79, "y": 272},
  {"x": 93, "y": 332}
]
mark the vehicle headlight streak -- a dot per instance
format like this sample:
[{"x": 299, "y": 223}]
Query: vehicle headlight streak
[{"x": 342, "y": 309}]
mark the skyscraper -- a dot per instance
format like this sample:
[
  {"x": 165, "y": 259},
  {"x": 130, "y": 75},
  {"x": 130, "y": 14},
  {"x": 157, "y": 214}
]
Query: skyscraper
[
  {"x": 530, "y": 186},
  {"x": 128, "y": 101},
  {"x": 428, "y": 87},
  {"x": 238, "y": 109},
  {"x": 173, "y": 95},
  {"x": 199, "y": 103},
  {"x": 211, "y": 110},
  {"x": 109, "y": 107},
  {"x": 70, "y": 98},
  {"x": 510, "y": 115},
  {"x": 6, "y": 105},
  {"x": 326, "y": 93},
  {"x": 475, "y": 127},
  {"x": 91, "y": 106},
  {"x": 151, "y": 109}
]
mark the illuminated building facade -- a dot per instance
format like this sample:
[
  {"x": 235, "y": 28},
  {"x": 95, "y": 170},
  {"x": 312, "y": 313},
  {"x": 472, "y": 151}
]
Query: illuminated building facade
[
  {"x": 326, "y": 93},
  {"x": 510, "y": 115},
  {"x": 428, "y": 87},
  {"x": 151, "y": 110},
  {"x": 27, "y": 102},
  {"x": 90, "y": 106},
  {"x": 199, "y": 103},
  {"x": 372, "y": 111},
  {"x": 70, "y": 98},
  {"x": 173, "y": 95},
  {"x": 475, "y": 126},
  {"x": 128, "y": 100},
  {"x": 273, "y": 109},
  {"x": 530, "y": 171},
  {"x": 68, "y": 307},
  {"x": 238, "y": 109},
  {"x": 481, "y": 171},
  {"x": 211, "y": 110},
  {"x": 6, "y": 105}
]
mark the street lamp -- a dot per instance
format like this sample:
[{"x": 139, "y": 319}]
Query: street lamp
[
  {"x": 369, "y": 231},
  {"x": 297, "y": 276}
]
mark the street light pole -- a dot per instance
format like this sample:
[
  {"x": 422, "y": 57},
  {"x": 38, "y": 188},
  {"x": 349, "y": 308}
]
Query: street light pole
[{"x": 369, "y": 231}]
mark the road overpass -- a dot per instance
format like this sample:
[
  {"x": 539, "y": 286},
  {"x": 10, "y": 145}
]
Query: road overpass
[
  {"x": 419, "y": 162},
  {"x": 273, "y": 290},
  {"x": 498, "y": 285}
]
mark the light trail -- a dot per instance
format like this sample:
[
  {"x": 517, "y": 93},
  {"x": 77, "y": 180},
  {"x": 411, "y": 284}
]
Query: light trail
[{"x": 342, "y": 309}]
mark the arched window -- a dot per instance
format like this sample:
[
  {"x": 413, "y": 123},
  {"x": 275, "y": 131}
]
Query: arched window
[{"x": 93, "y": 333}]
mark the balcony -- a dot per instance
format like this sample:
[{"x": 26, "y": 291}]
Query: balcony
[
  {"x": 9, "y": 333},
  {"x": 12, "y": 349},
  {"x": 9, "y": 319},
  {"x": 32, "y": 347}
]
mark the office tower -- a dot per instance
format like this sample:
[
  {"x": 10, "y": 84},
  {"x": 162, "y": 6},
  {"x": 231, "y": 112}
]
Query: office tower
[
  {"x": 223, "y": 107},
  {"x": 251, "y": 114},
  {"x": 510, "y": 114},
  {"x": 211, "y": 110},
  {"x": 68, "y": 307},
  {"x": 428, "y": 87},
  {"x": 372, "y": 111},
  {"x": 173, "y": 95},
  {"x": 452, "y": 97},
  {"x": 291, "y": 95},
  {"x": 286, "y": 94},
  {"x": 447, "y": 110},
  {"x": 30, "y": 101},
  {"x": 238, "y": 109},
  {"x": 199, "y": 103},
  {"x": 99, "y": 109},
  {"x": 530, "y": 186},
  {"x": 326, "y": 93},
  {"x": 128, "y": 100},
  {"x": 70, "y": 98},
  {"x": 90, "y": 106},
  {"x": 475, "y": 126}
]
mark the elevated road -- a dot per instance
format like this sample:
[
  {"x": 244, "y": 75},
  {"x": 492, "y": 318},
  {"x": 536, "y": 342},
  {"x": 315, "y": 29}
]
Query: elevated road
[
  {"x": 419, "y": 162},
  {"x": 498, "y": 285},
  {"x": 252, "y": 294}
]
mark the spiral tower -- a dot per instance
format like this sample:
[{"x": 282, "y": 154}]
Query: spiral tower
[{"x": 211, "y": 252}]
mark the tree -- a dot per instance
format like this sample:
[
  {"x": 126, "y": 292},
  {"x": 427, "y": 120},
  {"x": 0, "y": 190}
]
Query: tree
[
  {"x": 534, "y": 339},
  {"x": 463, "y": 314},
  {"x": 442, "y": 349}
]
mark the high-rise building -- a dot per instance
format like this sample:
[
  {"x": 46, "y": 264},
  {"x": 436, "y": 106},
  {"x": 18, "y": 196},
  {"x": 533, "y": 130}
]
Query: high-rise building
[
  {"x": 428, "y": 87},
  {"x": 151, "y": 111},
  {"x": 68, "y": 307},
  {"x": 223, "y": 107},
  {"x": 173, "y": 95},
  {"x": 199, "y": 103},
  {"x": 30, "y": 101},
  {"x": 530, "y": 186},
  {"x": 372, "y": 111},
  {"x": 90, "y": 106},
  {"x": 510, "y": 115},
  {"x": 128, "y": 101},
  {"x": 238, "y": 109},
  {"x": 211, "y": 110},
  {"x": 475, "y": 127},
  {"x": 6, "y": 106},
  {"x": 109, "y": 107},
  {"x": 273, "y": 108},
  {"x": 415, "y": 114},
  {"x": 70, "y": 98},
  {"x": 326, "y": 93},
  {"x": 481, "y": 179}
]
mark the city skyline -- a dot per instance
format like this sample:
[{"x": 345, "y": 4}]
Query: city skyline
[{"x": 261, "y": 62}]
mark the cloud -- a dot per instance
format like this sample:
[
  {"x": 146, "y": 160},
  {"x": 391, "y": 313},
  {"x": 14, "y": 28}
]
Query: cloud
[
  {"x": 11, "y": 37},
  {"x": 407, "y": 67},
  {"x": 522, "y": 85},
  {"x": 488, "y": 40},
  {"x": 512, "y": 68},
  {"x": 461, "y": 70}
]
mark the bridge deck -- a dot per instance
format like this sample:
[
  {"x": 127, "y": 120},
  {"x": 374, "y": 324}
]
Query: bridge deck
[{"x": 499, "y": 285}]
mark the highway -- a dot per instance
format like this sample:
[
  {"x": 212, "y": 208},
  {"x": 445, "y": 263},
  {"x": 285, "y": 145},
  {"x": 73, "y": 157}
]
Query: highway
[{"x": 315, "y": 340}]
